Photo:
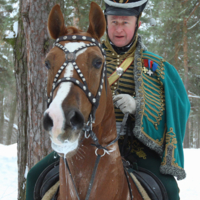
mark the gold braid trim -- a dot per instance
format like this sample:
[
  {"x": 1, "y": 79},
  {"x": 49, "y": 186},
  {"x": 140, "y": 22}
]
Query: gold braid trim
[
  {"x": 170, "y": 140},
  {"x": 146, "y": 79},
  {"x": 157, "y": 141}
]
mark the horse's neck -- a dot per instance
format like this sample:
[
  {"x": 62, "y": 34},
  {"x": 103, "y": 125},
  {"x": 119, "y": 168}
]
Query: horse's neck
[{"x": 110, "y": 174}]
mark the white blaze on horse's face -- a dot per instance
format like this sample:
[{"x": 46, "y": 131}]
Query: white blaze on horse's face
[{"x": 55, "y": 110}]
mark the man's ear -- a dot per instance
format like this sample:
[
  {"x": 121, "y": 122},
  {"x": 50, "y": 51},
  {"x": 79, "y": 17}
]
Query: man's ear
[{"x": 139, "y": 24}]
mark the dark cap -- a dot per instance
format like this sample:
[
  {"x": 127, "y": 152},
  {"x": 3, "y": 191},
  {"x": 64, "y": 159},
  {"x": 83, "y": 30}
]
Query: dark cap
[{"x": 124, "y": 7}]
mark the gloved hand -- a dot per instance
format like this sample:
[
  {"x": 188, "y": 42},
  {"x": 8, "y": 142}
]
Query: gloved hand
[{"x": 125, "y": 102}]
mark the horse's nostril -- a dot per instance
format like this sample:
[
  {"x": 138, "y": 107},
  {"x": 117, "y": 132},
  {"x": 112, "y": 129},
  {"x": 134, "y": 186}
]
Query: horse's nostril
[
  {"x": 75, "y": 119},
  {"x": 47, "y": 122}
]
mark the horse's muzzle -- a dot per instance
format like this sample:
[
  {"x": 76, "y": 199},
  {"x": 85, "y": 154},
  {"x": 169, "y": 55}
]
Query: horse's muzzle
[{"x": 72, "y": 125}]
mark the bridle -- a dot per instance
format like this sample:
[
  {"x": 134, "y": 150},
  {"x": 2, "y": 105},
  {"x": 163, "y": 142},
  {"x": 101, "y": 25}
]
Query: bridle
[{"x": 71, "y": 58}]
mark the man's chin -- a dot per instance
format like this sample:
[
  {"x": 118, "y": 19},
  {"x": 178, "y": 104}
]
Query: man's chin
[{"x": 119, "y": 42}]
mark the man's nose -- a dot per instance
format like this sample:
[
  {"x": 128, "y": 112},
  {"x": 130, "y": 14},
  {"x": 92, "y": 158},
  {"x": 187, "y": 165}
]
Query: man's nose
[{"x": 119, "y": 28}]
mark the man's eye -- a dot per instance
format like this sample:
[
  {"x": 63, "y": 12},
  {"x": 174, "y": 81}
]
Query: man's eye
[{"x": 47, "y": 64}]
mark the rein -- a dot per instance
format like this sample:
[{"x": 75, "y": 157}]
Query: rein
[{"x": 71, "y": 58}]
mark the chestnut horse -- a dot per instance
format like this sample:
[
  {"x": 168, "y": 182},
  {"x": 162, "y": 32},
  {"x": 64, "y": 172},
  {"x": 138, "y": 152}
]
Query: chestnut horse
[{"x": 80, "y": 113}]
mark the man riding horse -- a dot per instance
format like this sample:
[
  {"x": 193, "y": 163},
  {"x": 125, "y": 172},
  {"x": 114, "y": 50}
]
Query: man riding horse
[{"x": 149, "y": 92}]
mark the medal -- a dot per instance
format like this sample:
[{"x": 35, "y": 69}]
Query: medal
[
  {"x": 150, "y": 72},
  {"x": 119, "y": 71}
]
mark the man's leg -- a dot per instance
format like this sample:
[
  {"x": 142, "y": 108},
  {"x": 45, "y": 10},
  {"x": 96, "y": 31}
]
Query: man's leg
[
  {"x": 35, "y": 171},
  {"x": 152, "y": 163}
]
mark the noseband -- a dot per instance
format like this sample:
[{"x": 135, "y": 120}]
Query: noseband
[{"x": 71, "y": 58}]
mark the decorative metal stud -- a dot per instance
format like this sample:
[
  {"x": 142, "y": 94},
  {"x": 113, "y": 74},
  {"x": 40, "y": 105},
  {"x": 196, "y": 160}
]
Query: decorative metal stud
[
  {"x": 89, "y": 94},
  {"x": 83, "y": 79},
  {"x": 73, "y": 37},
  {"x": 77, "y": 82},
  {"x": 84, "y": 88},
  {"x": 84, "y": 38},
  {"x": 65, "y": 37},
  {"x": 94, "y": 100}
]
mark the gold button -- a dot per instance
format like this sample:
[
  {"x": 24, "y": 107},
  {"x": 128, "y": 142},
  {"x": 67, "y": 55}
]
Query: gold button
[
  {"x": 139, "y": 64},
  {"x": 118, "y": 56},
  {"x": 118, "y": 60},
  {"x": 113, "y": 54},
  {"x": 115, "y": 83},
  {"x": 115, "y": 88},
  {"x": 139, "y": 59},
  {"x": 117, "y": 63}
]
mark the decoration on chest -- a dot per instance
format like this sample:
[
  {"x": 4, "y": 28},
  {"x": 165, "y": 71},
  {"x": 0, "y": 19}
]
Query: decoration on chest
[
  {"x": 149, "y": 67},
  {"x": 119, "y": 71}
]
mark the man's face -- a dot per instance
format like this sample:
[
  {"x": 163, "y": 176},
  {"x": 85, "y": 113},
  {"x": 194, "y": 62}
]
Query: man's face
[{"x": 121, "y": 29}]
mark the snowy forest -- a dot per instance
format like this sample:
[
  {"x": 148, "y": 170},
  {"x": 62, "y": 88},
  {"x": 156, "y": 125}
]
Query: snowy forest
[{"x": 175, "y": 37}]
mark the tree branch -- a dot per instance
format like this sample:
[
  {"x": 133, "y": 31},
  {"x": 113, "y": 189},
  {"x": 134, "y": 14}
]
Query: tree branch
[{"x": 196, "y": 6}]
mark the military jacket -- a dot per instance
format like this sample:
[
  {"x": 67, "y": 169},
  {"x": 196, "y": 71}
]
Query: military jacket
[{"x": 162, "y": 108}]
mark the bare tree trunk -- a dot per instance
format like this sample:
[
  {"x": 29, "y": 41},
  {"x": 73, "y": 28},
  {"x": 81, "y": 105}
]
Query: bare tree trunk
[
  {"x": 185, "y": 50},
  {"x": 20, "y": 56},
  {"x": 30, "y": 50}
]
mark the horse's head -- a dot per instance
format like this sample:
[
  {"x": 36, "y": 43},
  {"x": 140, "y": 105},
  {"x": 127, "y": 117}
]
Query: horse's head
[{"x": 75, "y": 78}]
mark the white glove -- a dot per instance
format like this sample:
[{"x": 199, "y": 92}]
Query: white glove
[{"x": 125, "y": 102}]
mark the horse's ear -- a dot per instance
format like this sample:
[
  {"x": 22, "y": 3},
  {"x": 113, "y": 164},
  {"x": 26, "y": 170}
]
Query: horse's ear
[
  {"x": 97, "y": 21},
  {"x": 56, "y": 26}
]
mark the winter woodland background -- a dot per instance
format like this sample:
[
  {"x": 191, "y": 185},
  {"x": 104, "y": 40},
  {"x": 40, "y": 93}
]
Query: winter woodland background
[{"x": 175, "y": 37}]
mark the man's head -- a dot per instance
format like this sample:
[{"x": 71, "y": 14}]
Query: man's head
[
  {"x": 121, "y": 29},
  {"x": 123, "y": 20}
]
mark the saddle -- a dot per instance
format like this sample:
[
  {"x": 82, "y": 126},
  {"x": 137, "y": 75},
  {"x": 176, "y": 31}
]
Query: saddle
[
  {"x": 47, "y": 179},
  {"x": 151, "y": 184}
]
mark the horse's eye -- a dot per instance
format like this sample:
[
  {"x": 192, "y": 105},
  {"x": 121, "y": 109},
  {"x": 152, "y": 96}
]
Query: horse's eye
[
  {"x": 97, "y": 63},
  {"x": 47, "y": 64}
]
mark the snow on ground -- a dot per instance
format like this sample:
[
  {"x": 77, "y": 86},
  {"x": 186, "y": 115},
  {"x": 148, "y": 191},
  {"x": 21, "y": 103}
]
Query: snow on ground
[
  {"x": 8, "y": 172},
  {"x": 189, "y": 187}
]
